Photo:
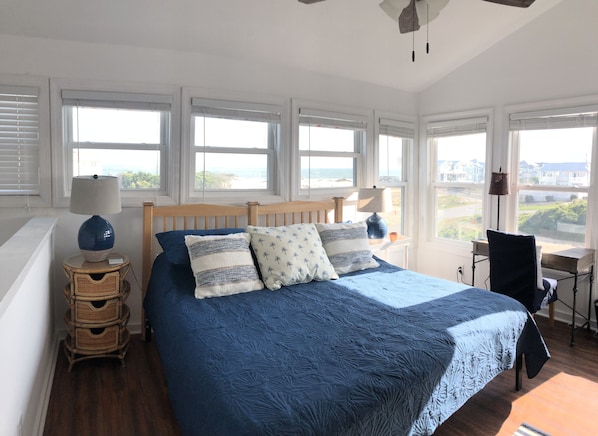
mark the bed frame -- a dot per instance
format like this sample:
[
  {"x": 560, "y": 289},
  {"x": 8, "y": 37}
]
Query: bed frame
[{"x": 158, "y": 219}]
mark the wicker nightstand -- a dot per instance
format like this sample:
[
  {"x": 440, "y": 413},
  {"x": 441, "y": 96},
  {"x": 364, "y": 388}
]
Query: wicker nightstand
[{"x": 97, "y": 317}]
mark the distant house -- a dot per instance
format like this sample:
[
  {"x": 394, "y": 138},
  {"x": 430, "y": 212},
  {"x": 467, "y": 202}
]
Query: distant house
[{"x": 558, "y": 174}]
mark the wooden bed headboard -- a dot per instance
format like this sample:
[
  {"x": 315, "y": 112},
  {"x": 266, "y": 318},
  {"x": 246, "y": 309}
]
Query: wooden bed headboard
[{"x": 158, "y": 219}]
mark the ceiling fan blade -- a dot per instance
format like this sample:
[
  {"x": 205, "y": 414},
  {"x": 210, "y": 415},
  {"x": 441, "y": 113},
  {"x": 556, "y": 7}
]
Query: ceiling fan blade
[
  {"x": 408, "y": 20},
  {"x": 309, "y": 2},
  {"x": 517, "y": 3}
]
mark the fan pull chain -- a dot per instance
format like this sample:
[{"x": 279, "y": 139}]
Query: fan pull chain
[
  {"x": 427, "y": 28},
  {"x": 413, "y": 47},
  {"x": 413, "y": 33}
]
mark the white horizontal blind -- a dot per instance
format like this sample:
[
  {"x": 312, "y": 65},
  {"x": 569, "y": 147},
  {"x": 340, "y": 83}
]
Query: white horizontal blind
[
  {"x": 236, "y": 110},
  {"x": 457, "y": 127},
  {"x": 577, "y": 117},
  {"x": 116, "y": 100},
  {"x": 396, "y": 128},
  {"x": 19, "y": 140},
  {"x": 333, "y": 120}
]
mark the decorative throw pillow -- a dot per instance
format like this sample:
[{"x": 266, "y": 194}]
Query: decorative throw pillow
[
  {"x": 222, "y": 265},
  {"x": 173, "y": 242},
  {"x": 347, "y": 246},
  {"x": 290, "y": 254}
]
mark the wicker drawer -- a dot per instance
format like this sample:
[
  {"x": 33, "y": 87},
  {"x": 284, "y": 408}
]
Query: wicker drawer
[
  {"x": 88, "y": 310},
  {"x": 96, "y": 339},
  {"x": 99, "y": 311},
  {"x": 97, "y": 285}
]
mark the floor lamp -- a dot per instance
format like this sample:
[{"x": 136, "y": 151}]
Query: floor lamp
[{"x": 499, "y": 185}]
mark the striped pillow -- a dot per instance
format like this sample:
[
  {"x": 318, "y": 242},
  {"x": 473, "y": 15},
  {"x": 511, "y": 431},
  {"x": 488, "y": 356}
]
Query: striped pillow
[
  {"x": 347, "y": 246},
  {"x": 222, "y": 265}
]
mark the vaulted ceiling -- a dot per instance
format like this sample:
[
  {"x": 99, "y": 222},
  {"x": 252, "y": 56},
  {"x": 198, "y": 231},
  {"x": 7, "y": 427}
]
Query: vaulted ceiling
[{"x": 353, "y": 39}]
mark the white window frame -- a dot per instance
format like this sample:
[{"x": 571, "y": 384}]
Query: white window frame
[
  {"x": 427, "y": 177},
  {"x": 43, "y": 196},
  {"x": 231, "y": 101},
  {"x": 406, "y": 127},
  {"x": 363, "y": 147},
  {"x": 522, "y": 114},
  {"x": 121, "y": 95}
]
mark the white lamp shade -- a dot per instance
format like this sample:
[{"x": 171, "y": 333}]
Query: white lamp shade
[
  {"x": 374, "y": 200},
  {"x": 95, "y": 195}
]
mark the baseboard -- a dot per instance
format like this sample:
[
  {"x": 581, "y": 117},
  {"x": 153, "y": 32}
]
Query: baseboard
[{"x": 48, "y": 379}]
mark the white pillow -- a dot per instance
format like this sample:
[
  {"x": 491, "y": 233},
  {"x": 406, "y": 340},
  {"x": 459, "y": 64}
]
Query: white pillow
[
  {"x": 290, "y": 254},
  {"x": 222, "y": 265},
  {"x": 347, "y": 246}
]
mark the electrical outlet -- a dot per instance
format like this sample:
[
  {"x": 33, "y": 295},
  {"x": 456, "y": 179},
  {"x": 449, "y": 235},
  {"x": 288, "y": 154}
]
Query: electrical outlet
[{"x": 460, "y": 270}]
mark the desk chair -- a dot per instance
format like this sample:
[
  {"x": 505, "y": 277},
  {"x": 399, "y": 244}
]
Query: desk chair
[{"x": 515, "y": 271}]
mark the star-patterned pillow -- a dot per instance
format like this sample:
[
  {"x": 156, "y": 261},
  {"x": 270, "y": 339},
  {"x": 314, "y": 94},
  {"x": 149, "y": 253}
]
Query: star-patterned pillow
[{"x": 290, "y": 254}]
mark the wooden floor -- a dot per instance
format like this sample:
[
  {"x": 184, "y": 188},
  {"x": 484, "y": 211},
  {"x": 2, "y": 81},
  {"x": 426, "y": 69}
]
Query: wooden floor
[{"x": 99, "y": 397}]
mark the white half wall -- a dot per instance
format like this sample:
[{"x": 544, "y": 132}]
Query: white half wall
[{"x": 26, "y": 327}]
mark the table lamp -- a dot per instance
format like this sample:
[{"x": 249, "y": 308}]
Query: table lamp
[
  {"x": 499, "y": 185},
  {"x": 95, "y": 195},
  {"x": 375, "y": 200}
]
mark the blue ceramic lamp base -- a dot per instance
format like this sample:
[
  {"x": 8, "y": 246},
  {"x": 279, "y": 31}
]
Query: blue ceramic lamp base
[
  {"x": 377, "y": 227},
  {"x": 96, "y": 239}
]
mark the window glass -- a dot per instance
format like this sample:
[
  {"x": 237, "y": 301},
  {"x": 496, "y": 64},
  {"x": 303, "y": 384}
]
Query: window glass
[
  {"x": 327, "y": 172},
  {"x": 395, "y": 142},
  {"x": 458, "y": 191},
  {"x": 330, "y": 149},
  {"x": 128, "y": 143},
  {"x": 215, "y": 171},
  {"x": 554, "y": 168},
  {"x": 220, "y": 132},
  {"x": 144, "y": 174},
  {"x": 116, "y": 126},
  {"x": 327, "y": 139},
  {"x": 234, "y": 146}
]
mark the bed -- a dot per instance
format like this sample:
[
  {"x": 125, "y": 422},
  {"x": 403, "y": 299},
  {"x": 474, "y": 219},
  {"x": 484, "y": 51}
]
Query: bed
[{"x": 380, "y": 350}]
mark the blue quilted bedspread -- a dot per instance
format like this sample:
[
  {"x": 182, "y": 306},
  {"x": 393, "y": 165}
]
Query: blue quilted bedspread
[{"x": 383, "y": 351}]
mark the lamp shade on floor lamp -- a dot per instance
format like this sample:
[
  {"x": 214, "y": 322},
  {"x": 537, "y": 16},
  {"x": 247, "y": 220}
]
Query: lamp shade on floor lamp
[{"x": 499, "y": 186}]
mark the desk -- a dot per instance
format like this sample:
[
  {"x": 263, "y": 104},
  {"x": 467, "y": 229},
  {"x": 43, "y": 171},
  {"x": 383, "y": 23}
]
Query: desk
[{"x": 578, "y": 262}]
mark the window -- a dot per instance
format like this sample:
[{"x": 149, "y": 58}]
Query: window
[
  {"x": 126, "y": 135},
  {"x": 234, "y": 147},
  {"x": 552, "y": 160},
  {"x": 458, "y": 156},
  {"x": 395, "y": 143},
  {"x": 330, "y": 149},
  {"x": 24, "y": 156}
]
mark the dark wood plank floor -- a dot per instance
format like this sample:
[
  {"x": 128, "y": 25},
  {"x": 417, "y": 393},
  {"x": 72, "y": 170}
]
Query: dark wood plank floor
[{"x": 99, "y": 397}]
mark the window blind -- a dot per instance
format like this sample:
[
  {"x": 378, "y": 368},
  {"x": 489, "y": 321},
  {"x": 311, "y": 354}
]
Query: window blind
[
  {"x": 236, "y": 110},
  {"x": 333, "y": 120},
  {"x": 457, "y": 127},
  {"x": 542, "y": 120},
  {"x": 116, "y": 100},
  {"x": 396, "y": 128},
  {"x": 19, "y": 141}
]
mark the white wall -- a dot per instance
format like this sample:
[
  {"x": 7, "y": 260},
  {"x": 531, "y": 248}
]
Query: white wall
[
  {"x": 26, "y": 327},
  {"x": 554, "y": 57},
  {"x": 106, "y": 63}
]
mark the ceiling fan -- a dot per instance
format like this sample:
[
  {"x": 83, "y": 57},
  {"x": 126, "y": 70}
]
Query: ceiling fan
[{"x": 408, "y": 16}]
